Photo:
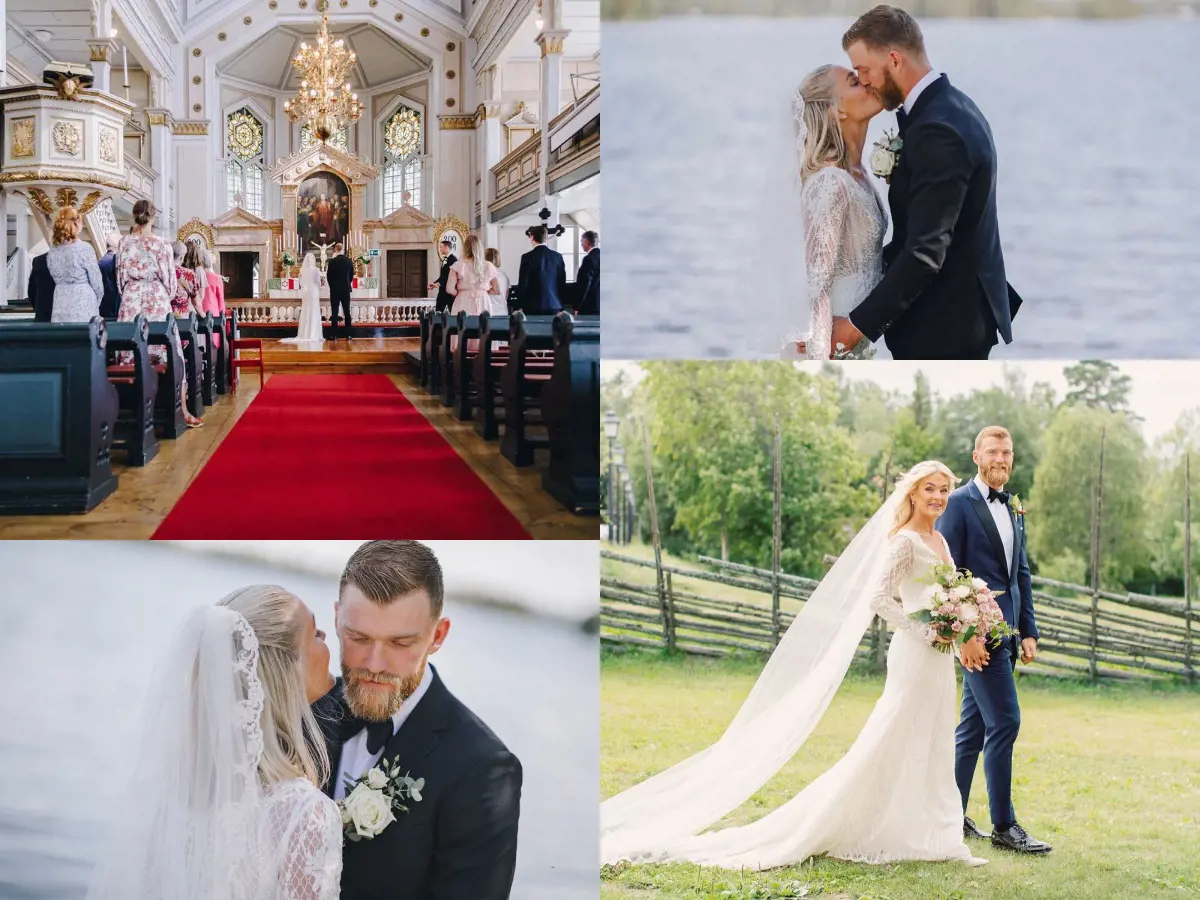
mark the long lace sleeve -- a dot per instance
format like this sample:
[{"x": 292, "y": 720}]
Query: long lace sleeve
[
  {"x": 897, "y": 567},
  {"x": 826, "y": 204},
  {"x": 308, "y": 826}
]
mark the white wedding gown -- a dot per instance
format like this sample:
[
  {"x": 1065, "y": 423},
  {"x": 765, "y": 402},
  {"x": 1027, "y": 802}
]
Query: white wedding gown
[
  {"x": 311, "y": 825},
  {"x": 844, "y": 225},
  {"x": 892, "y": 796},
  {"x": 310, "y": 309}
]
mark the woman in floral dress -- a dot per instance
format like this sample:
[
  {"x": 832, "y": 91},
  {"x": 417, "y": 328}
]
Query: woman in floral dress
[{"x": 184, "y": 303}]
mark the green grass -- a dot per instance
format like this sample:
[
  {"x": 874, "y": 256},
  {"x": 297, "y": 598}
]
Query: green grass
[{"x": 1109, "y": 774}]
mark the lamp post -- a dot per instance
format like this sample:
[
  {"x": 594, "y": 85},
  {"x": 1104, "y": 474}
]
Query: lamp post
[
  {"x": 632, "y": 517},
  {"x": 611, "y": 423},
  {"x": 619, "y": 492}
]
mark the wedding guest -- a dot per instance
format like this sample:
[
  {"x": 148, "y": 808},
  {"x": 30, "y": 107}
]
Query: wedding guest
[
  {"x": 111, "y": 304},
  {"x": 41, "y": 289},
  {"x": 498, "y": 302},
  {"x": 472, "y": 280},
  {"x": 542, "y": 282},
  {"x": 214, "y": 292},
  {"x": 187, "y": 300},
  {"x": 444, "y": 299},
  {"x": 587, "y": 282},
  {"x": 78, "y": 287}
]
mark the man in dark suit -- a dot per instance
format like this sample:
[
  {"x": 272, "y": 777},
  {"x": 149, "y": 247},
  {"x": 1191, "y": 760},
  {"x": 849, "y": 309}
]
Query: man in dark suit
[
  {"x": 444, "y": 300},
  {"x": 110, "y": 303},
  {"x": 542, "y": 282},
  {"x": 41, "y": 289},
  {"x": 459, "y": 840},
  {"x": 984, "y": 530},
  {"x": 944, "y": 293},
  {"x": 587, "y": 281},
  {"x": 339, "y": 275}
]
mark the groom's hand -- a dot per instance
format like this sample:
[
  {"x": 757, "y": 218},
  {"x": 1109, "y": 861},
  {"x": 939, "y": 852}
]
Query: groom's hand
[
  {"x": 1028, "y": 649},
  {"x": 845, "y": 333},
  {"x": 973, "y": 655}
]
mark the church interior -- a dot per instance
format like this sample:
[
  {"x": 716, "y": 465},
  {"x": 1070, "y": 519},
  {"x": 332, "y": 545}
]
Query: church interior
[{"x": 397, "y": 133}]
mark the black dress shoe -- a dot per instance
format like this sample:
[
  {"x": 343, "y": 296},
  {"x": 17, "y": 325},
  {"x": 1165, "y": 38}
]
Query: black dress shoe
[
  {"x": 971, "y": 831},
  {"x": 1017, "y": 839}
]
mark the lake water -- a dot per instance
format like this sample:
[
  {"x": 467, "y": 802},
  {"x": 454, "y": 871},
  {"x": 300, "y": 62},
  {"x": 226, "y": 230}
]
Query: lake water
[
  {"x": 1097, "y": 129},
  {"x": 77, "y": 639}
]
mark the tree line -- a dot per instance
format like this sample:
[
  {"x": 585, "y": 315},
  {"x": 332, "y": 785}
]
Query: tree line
[{"x": 711, "y": 428}]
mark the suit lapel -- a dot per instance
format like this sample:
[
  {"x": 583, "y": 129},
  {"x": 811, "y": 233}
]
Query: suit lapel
[
  {"x": 419, "y": 734},
  {"x": 980, "y": 505},
  {"x": 329, "y": 711},
  {"x": 1017, "y": 537}
]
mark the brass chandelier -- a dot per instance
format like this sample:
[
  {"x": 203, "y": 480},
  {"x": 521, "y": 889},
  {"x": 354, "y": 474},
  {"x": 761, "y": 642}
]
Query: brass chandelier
[{"x": 324, "y": 98}]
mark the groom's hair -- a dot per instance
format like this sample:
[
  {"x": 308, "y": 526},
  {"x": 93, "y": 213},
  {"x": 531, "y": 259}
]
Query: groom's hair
[
  {"x": 992, "y": 431},
  {"x": 337, "y": 248},
  {"x": 386, "y": 570},
  {"x": 886, "y": 28}
]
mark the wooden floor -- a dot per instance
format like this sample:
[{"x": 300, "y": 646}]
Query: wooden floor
[
  {"x": 362, "y": 355},
  {"x": 146, "y": 495}
]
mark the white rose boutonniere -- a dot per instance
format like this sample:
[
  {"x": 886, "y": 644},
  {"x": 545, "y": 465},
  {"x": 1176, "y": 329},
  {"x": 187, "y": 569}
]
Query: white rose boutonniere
[
  {"x": 373, "y": 800},
  {"x": 885, "y": 155}
]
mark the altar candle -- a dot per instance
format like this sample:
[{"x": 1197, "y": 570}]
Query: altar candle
[{"x": 125, "y": 65}]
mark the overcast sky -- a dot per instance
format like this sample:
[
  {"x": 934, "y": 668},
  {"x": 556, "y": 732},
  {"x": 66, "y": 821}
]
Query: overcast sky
[{"x": 1161, "y": 390}]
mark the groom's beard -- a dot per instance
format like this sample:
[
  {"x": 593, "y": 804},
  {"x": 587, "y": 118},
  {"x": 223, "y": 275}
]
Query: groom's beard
[
  {"x": 995, "y": 475},
  {"x": 373, "y": 704},
  {"x": 889, "y": 93}
]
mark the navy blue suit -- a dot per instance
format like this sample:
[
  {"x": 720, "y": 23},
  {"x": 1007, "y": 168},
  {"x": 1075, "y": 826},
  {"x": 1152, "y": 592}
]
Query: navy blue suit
[
  {"x": 41, "y": 289},
  {"x": 110, "y": 303},
  {"x": 542, "y": 283},
  {"x": 991, "y": 714}
]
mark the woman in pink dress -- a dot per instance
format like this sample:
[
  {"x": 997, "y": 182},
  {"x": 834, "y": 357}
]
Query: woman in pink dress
[
  {"x": 214, "y": 292},
  {"x": 471, "y": 280}
]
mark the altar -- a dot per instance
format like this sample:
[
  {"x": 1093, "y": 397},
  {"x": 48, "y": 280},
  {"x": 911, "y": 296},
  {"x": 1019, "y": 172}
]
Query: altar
[{"x": 364, "y": 288}]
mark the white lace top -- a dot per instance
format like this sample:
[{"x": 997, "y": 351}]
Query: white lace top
[
  {"x": 311, "y": 825},
  {"x": 844, "y": 225},
  {"x": 905, "y": 579}
]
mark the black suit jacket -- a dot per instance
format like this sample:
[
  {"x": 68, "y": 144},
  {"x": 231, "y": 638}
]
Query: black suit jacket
[
  {"x": 587, "y": 285},
  {"x": 110, "y": 303},
  {"x": 944, "y": 293},
  {"x": 41, "y": 289},
  {"x": 339, "y": 274},
  {"x": 459, "y": 842},
  {"x": 542, "y": 283},
  {"x": 445, "y": 300}
]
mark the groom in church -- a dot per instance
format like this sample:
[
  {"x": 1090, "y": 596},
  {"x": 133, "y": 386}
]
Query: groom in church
[
  {"x": 943, "y": 293},
  {"x": 984, "y": 527},
  {"x": 459, "y": 839}
]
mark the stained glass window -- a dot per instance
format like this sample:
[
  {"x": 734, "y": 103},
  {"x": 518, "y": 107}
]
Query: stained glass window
[
  {"x": 245, "y": 162},
  {"x": 340, "y": 139},
  {"x": 403, "y": 141}
]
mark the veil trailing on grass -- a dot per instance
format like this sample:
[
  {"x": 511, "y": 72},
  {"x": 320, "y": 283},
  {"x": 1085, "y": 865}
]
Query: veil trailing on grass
[{"x": 785, "y": 705}]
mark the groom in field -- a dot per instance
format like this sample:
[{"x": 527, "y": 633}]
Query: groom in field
[
  {"x": 984, "y": 527},
  {"x": 944, "y": 294},
  {"x": 458, "y": 840}
]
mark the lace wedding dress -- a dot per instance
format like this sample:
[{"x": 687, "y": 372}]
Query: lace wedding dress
[
  {"x": 310, "y": 305},
  {"x": 844, "y": 225},
  {"x": 198, "y": 823},
  {"x": 892, "y": 796}
]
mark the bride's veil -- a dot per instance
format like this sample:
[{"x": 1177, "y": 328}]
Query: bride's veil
[
  {"x": 310, "y": 275},
  {"x": 786, "y": 703},
  {"x": 188, "y": 826}
]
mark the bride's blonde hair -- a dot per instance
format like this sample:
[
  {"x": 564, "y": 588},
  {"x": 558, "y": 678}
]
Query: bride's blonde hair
[
  {"x": 292, "y": 742},
  {"x": 823, "y": 145},
  {"x": 910, "y": 481}
]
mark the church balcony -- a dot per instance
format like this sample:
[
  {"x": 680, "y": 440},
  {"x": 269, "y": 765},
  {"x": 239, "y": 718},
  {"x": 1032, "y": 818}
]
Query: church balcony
[{"x": 141, "y": 180}]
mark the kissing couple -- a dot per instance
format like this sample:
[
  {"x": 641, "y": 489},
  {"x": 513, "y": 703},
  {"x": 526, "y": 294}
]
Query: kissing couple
[
  {"x": 262, "y": 778},
  {"x": 901, "y": 791},
  {"x": 938, "y": 289}
]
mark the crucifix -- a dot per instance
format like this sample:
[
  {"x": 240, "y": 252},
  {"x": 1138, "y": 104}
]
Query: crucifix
[{"x": 323, "y": 248}]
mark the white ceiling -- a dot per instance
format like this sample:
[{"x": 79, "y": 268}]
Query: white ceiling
[
  {"x": 267, "y": 62},
  {"x": 69, "y": 23},
  {"x": 580, "y": 17}
]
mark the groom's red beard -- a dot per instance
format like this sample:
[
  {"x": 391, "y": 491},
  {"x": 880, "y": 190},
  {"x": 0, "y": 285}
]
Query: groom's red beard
[
  {"x": 373, "y": 703},
  {"x": 889, "y": 93},
  {"x": 996, "y": 475}
]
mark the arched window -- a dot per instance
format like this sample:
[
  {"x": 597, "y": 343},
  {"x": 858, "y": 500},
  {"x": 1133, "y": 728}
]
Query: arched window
[
  {"x": 244, "y": 161},
  {"x": 339, "y": 140},
  {"x": 403, "y": 141}
]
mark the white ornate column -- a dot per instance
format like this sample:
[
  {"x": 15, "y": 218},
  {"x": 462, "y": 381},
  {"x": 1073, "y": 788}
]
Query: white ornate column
[
  {"x": 491, "y": 152},
  {"x": 161, "y": 124},
  {"x": 102, "y": 51},
  {"x": 4, "y": 46},
  {"x": 551, "y": 41}
]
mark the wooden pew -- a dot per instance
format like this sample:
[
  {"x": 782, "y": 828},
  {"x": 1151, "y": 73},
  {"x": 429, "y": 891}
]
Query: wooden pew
[
  {"x": 488, "y": 365},
  {"x": 521, "y": 384},
  {"x": 59, "y": 412},
  {"x": 208, "y": 380},
  {"x": 463, "y": 365},
  {"x": 137, "y": 387},
  {"x": 426, "y": 322},
  {"x": 571, "y": 408},
  {"x": 450, "y": 341},
  {"x": 189, "y": 330},
  {"x": 168, "y": 405},
  {"x": 437, "y": 325},
  {"x": 220, "y": 356}
]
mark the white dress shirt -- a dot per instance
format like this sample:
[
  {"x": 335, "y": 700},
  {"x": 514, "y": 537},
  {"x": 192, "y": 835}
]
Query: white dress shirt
[
  {"x": 1002, "y": 518},
  {"x": 355, "y": 758},
  {"x": 930, "y": 77}
]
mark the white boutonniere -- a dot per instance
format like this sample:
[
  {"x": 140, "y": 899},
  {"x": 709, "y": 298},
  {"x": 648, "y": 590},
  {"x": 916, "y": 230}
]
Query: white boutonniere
[
  {"x": 373, "y": 799},
  {"x": 1014, "y": 503},
  {"x": 885, "y": 155}
]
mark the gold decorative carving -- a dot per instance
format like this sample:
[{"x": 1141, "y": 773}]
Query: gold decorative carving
[
  {"x": 39, "y": 199},
  {"x": 273, "y": 4},
  {"x": 196, "y": 226},
  {"x": 450, "y": 101},
  {"x": 195, "y": 51},
  {"x": 158, "y": 118},
  {"x": 22, "y": 138},
  {"x": 247, "y": 21},
  {"x": 67, "y": 138},
  {"x": 66, "y": 197},
  {"x": 550, "y": 44},
  {"x": 98, "y": 52},
  {"x": 89, "y": 176},
  {"x": 222, "y": 36},
  {"x": 457, "y": 123},
  {"x": 195, "y": 79},
  {"x": 190, "y": 129},
  {"x": 424, "y": 32},
  {"x": 399, "y": 17},
  {"x": 450, "y": 74},
  {"x": 452, "y": 46},
  {"x": 447, "y": 223},
  {"x": 90, "y": 201},
  {"x": 108, "y": 144},
  {"x": 68, "y": 86},
  {"x": 195, "y": 107}
]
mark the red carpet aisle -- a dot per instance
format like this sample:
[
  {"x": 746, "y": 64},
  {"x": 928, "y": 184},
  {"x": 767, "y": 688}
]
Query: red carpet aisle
[{"x": 336, "y": 456}]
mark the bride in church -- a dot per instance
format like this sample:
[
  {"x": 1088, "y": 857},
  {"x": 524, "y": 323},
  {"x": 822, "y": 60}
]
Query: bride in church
[{"x": 310, "y": 304}]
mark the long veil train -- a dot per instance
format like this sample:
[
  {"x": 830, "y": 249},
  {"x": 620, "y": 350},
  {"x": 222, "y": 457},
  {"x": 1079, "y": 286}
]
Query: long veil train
[{"x": 785, "y": 705}]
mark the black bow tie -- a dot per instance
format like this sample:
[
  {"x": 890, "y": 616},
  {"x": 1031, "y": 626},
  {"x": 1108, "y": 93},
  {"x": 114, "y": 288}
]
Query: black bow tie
[
  {"x": 902, "y": 120},
  {"x": 345, "y": 725},
  {"x": 1002, "y": 496}
]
